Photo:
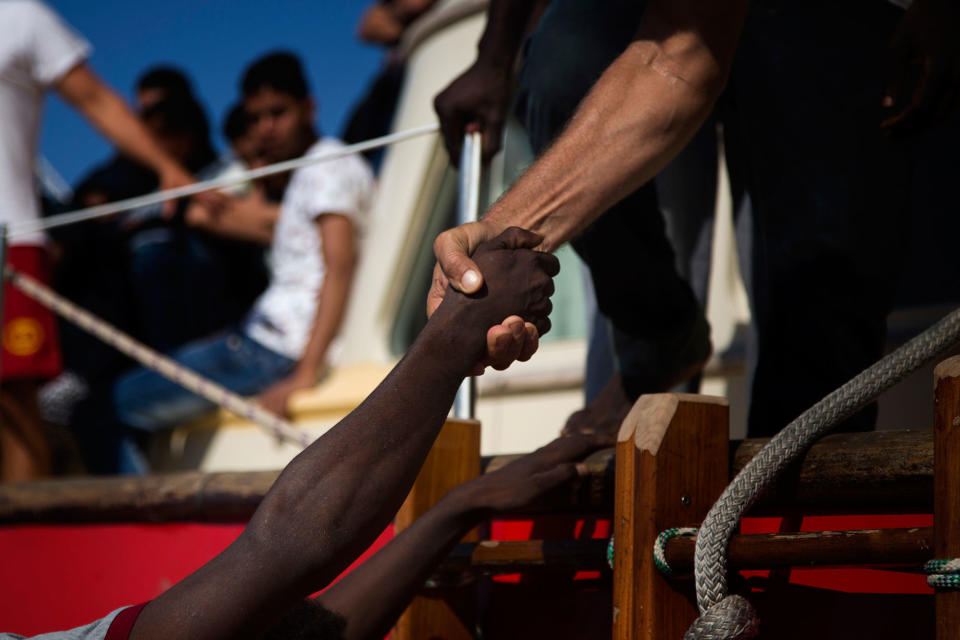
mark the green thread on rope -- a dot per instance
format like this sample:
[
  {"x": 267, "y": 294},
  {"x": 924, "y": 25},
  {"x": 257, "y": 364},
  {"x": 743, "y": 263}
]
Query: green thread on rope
[
  {"x": 943, "y": 574},
  {"x": 660, "y": 544},
  {"x": 610, "y": 552}
]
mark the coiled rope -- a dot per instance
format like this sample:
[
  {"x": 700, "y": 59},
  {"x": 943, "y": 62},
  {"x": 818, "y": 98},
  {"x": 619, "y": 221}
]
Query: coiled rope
[
  {"x": 726, "y": 617},
  {"x": 111, "y": 208}
]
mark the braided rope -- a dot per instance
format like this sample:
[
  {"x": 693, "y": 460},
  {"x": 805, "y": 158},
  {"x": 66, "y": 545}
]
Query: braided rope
[
  {"x": 943, "y": 574},
  {"x": 710, "y": 559},
  {"x": 660, "y": 546},
  {"x": 155, "y": 361}
]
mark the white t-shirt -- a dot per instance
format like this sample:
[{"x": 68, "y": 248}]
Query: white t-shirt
[
  {"x": 36, "y": 49},
  {"x": 282, "y": 318}
]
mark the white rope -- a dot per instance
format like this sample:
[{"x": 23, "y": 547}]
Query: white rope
[
  {"x": 158, "y": 362},
  {"x": 111, "y": 208}
]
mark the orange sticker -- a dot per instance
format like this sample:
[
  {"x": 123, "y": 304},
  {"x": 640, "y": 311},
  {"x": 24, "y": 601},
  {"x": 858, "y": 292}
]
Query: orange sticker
[{"x": 23, "y": 336}]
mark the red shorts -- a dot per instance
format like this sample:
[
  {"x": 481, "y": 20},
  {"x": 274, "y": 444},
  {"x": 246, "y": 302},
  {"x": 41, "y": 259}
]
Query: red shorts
[{"x": 31, "y": 348}]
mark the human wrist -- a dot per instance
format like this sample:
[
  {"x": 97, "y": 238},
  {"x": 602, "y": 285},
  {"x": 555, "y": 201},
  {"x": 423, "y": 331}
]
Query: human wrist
[
  {"x": 464, "y": 506},
  {"x": 455, "y": 335}
]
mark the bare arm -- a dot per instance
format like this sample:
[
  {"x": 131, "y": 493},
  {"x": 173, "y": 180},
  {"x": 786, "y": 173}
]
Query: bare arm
[
  {"x": 640, "y": 113},
  {"x": 371, "y": 597},
  {"x": 481, "y": 94},
  {"x": 250, "y": 217},
  {"x": 333, "y": 499},
  {"x": 637, "y": 117},
  {"x": 340, "y": 259},
  {"x": 112, "y": 117}
]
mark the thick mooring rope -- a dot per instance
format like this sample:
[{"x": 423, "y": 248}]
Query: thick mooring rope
[
  {"x": 158, "y": 362},
  {"x": 725, "y": 617}
]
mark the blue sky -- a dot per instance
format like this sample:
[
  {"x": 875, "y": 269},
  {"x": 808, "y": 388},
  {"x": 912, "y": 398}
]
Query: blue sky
[{"x": 213, "y": 40}]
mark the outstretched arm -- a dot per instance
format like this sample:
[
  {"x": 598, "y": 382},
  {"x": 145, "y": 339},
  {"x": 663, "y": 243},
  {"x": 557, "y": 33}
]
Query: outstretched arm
[
  {"x": 333, "y": 499},
  {"x": 371, "y": 597},
  {"x": 107, "y": 111},
  {"x": 638, "y": 116}
]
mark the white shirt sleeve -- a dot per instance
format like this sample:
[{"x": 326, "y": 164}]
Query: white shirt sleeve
[
  {"x": 343, "y": 187},
  {"x": 53, "y": 47},
  {"x": 96, "y": 630}
]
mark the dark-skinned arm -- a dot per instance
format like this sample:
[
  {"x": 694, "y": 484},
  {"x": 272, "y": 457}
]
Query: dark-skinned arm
[
  {"x": 481, "y": 94},
  {"x": 334, "y": 498},
  {"x": 365, "y": 603}
]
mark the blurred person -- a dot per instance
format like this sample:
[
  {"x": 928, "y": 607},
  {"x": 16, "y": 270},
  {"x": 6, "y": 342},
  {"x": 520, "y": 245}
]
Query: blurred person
[
  {"x": 245, "y": 211},
  {"x": 236, "y": 129},
  {"x": 332, "y": 501},
  {"x": 161, "y": 83},
  {"x": 382, "y": 24},
  {"x": 283, "y": 344},
  {"x": 39, "y": 51}
]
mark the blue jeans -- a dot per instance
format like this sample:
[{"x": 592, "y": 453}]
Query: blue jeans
[{"x": 146, "y": 400}]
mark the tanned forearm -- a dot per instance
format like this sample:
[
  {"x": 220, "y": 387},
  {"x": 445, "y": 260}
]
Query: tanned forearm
[
  {"x": 637, "y": 117},
  {"x": 108, "y": 113}
]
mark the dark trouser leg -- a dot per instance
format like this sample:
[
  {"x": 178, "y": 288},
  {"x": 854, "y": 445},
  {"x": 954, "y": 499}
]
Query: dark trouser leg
[
  {"x": 828, "y": 194},
  {"x": 652, "y": 309}
]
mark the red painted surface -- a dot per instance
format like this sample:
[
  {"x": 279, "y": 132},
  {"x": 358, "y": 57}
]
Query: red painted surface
[
  {"x": 59, "y": 577},
  {"x": 843, "y": 579}
]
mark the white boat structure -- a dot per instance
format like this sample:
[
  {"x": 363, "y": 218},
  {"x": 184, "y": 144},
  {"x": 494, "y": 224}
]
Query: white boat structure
[{"x": 525, "y": 406}]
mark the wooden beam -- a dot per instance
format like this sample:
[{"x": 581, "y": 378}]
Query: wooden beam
[
  {"x": 190, "y": 496},
  {"x": 869, "y": 547},
  {"x": 883, "y": 471},
  {"x": 872, "y": 547},
  {"x": 946, "y": 487},
  {"x": 878, "y": 471},
  {"x": 671, "y": 466},
  {"x": 513, "y": 556},
  {"x": 446, "y": 612}
]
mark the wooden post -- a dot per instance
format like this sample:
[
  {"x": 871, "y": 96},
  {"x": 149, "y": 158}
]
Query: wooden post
[
  {"x": 946, "y": 486},
  {"x": 671, "y": 466},
  {"x": 441, "y": 613}
]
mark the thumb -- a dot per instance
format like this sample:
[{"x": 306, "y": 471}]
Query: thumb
[{"x": 453, "y": 248}]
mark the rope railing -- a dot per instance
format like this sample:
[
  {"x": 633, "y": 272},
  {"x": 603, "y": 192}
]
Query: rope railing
[
  {"x": 156, "y": 361},
  {"x": 112, "y": 208}
]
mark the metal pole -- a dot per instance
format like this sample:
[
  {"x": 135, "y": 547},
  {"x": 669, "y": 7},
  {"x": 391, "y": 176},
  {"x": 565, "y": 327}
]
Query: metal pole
[{"x": 468, "y": 209}]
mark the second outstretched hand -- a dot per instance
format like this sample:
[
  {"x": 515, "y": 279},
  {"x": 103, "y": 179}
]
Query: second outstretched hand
[{"x": 367, "y": 601}]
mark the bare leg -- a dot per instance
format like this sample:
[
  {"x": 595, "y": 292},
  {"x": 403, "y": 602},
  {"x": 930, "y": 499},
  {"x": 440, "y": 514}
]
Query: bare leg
[{"x": 24, "y": 446}]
